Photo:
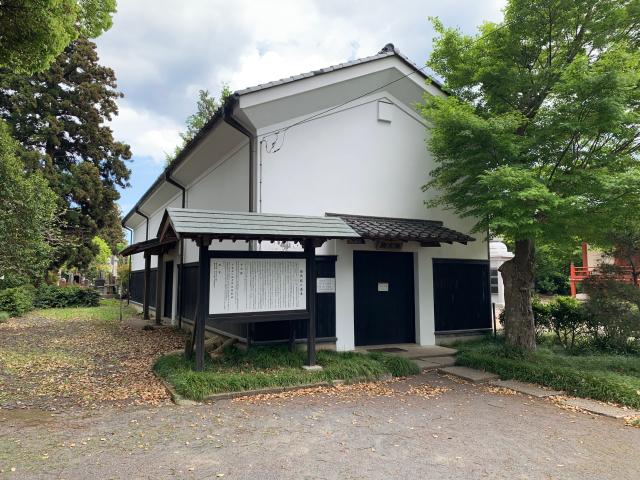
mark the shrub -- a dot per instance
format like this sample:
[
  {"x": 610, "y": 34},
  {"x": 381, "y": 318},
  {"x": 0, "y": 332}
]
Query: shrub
[
  {"x": 4, "y": 316},
  {"x": 52, "y": 296},
  {"x": 612, "y": 314},
  {"x": 541, "y": 317},
  {"x": 564, "y": 317},
  {"x": 567, "y": 321},
  {"x": 17, "y": 301}
]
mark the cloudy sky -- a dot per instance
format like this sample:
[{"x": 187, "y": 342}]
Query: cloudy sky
[{"x": 164, "y": 51}]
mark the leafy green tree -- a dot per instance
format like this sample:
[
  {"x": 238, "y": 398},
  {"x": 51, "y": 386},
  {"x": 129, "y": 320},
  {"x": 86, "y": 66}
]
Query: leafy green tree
[
  {"x": 60, "y": 117},
  {"x": 623, "y": 244},
  {"x": 101, "y": 262},
  {"x": 27, "y": 222},
  {"x": 34, "y": 32},
  {"x": 552, "y": 266},
  {"x": 206, "y": 108},
  {"x": 539, "y": 141}
]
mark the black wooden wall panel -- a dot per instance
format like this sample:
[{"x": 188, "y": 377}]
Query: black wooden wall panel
[
  {"x": 137, "y": 287},
  {"x": 189, "y": 293},
  {"x": 461, "y": 295}
]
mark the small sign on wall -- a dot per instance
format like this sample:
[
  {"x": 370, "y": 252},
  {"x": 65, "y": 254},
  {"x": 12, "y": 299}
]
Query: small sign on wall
[
  {"x": 388, "y": 245},
  {"x": 325, "y": 285},
  {"x": 383, "y": 286}
]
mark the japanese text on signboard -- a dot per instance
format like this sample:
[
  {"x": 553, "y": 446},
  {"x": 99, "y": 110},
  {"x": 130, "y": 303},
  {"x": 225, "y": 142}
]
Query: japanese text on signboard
[{"x": 244, "y": 285}]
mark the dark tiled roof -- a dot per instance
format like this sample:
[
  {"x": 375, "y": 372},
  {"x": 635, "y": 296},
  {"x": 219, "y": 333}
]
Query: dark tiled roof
[
  {"x": 402, "y": 229},
  {"x": 388, "y": 51}
]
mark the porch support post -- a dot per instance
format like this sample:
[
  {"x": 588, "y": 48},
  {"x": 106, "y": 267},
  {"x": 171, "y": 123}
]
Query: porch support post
[
  {"x": 147, "y": 286},
  {"x": 159, "y": 289},
  {"x": 203, "y": 299},
  {"x": 310, "y": 254}
]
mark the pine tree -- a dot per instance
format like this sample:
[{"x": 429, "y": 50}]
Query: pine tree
[{"x": 60, "y": 116}]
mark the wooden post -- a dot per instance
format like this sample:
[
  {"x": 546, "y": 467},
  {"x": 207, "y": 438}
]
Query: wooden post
[
  {"x": 310, "y": 254},
  {"x": 585, "y": 256},
  {"x": 203, "y": 300},
  {"x": 292, "y": 335},
  {"x": 572, "y": 279},
  {"x": 493, "y": 317},
  {"x": 147, "y": 286},
  {"x": 180, "y": 283},
  {"x": 159, "y": 289}
]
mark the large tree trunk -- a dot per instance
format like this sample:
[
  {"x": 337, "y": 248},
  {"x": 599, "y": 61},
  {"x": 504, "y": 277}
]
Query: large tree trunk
[{"x": 518, "y": 278}]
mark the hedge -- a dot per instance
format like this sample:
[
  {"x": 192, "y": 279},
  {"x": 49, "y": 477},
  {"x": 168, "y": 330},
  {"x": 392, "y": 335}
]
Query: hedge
[
  {"x": 52, "y": 296},
  {"x": 17, "y": 301},
  {"x": 20, "y": 300}
]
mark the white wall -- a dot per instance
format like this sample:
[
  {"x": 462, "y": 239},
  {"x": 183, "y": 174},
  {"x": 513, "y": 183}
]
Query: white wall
[
  {"x": 499, "y": 254},
  {"x": 224, "y": 186},
  {"x": 347, "y": 162},
  {"x": 351, "y": 162}
]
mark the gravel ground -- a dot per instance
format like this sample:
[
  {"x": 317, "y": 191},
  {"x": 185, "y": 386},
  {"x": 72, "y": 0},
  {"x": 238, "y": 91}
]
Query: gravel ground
[{"x": 425, "y": 427}]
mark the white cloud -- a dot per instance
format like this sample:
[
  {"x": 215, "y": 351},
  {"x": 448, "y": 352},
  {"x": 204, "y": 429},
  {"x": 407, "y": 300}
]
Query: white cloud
[{"x": 149, "y": 134}]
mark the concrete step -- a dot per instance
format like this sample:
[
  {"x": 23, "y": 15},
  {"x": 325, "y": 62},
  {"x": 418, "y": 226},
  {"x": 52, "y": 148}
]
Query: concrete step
[
  {"x": 526, "y": 388},
  {"x": 431, "y": 352},
  {"x": 600, "y": 408},
  {"x": 433, "y": 363},
  {"x": 469, "y": 374}
]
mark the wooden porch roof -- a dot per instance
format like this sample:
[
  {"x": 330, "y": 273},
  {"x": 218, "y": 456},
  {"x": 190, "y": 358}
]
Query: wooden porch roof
[
  {"x": 194, "y": 223},
  {"x": 151, "y": 247}
]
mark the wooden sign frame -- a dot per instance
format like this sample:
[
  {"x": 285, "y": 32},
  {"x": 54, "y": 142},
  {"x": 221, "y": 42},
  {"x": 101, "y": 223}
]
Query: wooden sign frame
[{"x": 266, "y": 316}]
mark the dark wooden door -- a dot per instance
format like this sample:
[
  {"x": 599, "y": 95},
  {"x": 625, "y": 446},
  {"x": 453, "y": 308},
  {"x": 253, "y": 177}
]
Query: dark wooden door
[
  {"x": 384, "y": 298},
  {"x": 168, "y": 288},
  {"x": 461, "y": 295}
]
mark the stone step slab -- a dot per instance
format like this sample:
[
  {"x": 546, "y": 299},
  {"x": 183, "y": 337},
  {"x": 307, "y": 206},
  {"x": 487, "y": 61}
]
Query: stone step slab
[
  {"x": 469, "y": 374},
  {"x": 433, "y": 363},
  {"x": 526, "y": 388},
  {"x": 599, "y": 408}
]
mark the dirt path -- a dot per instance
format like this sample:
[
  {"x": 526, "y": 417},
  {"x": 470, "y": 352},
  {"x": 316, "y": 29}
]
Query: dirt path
[
  {"x": 426, "y": 427},
  {"x": 65, "y": 358}
]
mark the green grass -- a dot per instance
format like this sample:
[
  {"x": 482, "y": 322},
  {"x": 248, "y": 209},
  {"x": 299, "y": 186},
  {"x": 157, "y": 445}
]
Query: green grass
[
  {"x": 107, "y": 312},
  {"x": 264, "y": 367},
  {"x": 605, "y": 377},
  {"x": 43, "y": 360}
]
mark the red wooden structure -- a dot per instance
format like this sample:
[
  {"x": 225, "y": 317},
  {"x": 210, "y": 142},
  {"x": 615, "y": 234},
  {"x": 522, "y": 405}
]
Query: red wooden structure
[{"x": 579, "y": 274}]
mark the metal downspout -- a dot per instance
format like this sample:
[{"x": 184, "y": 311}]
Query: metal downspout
[
  {"x": 181, "y": 276},
  {"x": 129, "y": 260},
  {"x": 146, "y": 237},
  {"x": 228, "y": 118}
]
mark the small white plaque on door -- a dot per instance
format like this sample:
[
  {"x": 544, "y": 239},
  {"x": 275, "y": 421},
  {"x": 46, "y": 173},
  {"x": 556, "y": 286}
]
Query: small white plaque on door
[
  {"x": 383, "y": 286},
  {"x": 325, "y": 285}
]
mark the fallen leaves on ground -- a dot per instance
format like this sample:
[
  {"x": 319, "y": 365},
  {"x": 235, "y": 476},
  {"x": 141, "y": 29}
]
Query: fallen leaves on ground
[
  {"x": 499, "y": 390},
  {"x": 349, "y": 391},
  {"x": 50, "y": 362},
  {"x": 632, "y": 422}
]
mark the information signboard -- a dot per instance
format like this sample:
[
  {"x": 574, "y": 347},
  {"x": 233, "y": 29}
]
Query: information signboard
[{"x": 246, "y": 285}]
